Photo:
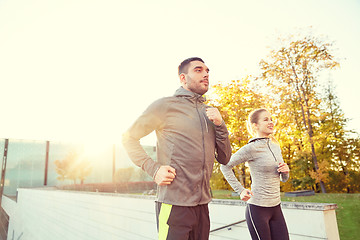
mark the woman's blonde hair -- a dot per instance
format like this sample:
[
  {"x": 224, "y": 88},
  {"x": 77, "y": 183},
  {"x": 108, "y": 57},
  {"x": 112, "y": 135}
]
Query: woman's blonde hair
[{"x": 254, "y": 119}]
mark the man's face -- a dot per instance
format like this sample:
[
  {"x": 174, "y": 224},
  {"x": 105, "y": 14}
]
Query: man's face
[{"x": 197, "y": 78}]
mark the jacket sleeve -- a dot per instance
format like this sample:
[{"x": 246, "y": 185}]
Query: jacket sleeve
[
  {"x": 223, "y": 147},
  {"x": 283, "y": 176},
  {"x": 149, "y": 121},
  {"x": 242, "y": 155}
]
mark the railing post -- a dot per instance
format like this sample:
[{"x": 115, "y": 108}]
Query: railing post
[
  {"x": 113, "y": 164},
  {"x": 3, "y": 169},
  {"x": 46, "y": 162}
]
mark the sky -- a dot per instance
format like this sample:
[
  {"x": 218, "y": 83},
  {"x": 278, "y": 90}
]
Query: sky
[{"x": 84, "y": 70}]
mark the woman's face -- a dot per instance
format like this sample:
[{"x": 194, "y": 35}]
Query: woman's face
[{"x": 265, "y": 125}]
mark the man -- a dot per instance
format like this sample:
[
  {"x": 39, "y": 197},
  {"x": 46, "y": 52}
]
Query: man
[{"x": 190, "y": 135}]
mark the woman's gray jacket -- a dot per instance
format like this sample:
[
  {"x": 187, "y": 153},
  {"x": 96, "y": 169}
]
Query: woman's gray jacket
[
  {"x": 186, "y": 140},
  {"x": 263, "y": 157}
]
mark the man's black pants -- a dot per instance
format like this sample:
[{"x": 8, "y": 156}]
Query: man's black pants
[{"x": 182, "y": 223}]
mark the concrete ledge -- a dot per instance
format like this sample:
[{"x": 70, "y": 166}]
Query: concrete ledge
[
  {"x": 300, "y": 193},
  {"x": 287, "y": 205},
  {"x": 309, "y": 206}
]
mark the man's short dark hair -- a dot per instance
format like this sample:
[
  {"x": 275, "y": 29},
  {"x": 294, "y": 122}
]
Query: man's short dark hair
[{"x": 183, "y": 67}]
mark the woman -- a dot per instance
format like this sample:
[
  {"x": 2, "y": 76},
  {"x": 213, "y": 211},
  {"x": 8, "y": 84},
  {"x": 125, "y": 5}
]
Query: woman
[{"x": 263, "y": 212}]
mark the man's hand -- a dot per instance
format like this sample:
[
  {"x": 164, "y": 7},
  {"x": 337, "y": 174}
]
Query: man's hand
[
  {"x": 246, "y": 194},
  {"x": 165, "y": 175},
  {"x": 283, "y": 168},
  {"x": 214, "y": 115}
]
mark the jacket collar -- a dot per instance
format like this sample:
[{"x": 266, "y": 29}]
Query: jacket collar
[
  {"x": 257, "y": 138},
  {"x": 182, "y": 92}
]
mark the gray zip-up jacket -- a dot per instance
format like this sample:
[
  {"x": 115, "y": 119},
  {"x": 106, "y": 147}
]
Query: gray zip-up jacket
[
  {"x": 263, "y": 157},
  {"x": 186, "y": 140}
]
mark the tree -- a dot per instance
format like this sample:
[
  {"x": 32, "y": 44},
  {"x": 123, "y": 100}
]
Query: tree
[
  {"x": 73, "y": 167},
  {"x": 292, "y": 75},
  {"x": 337, "y": 143},
  {"x": 235, "y": 101},
  {"x": 124, "y": 174}
]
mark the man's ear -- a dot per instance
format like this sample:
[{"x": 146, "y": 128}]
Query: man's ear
[{"x": 182, "y": 78}]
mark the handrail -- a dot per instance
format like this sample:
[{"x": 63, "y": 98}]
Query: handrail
[{"x": 229, "y": 225}]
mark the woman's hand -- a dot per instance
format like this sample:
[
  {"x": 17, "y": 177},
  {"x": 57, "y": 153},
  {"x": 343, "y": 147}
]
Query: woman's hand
[
  {"x": 246, "y": 194},
  {"x": 283, "y": 168}
]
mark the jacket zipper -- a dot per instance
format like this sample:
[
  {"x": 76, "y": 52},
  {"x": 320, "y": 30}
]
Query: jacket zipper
[
  {"x": 268, "y": 143},
  {"x": 203, "y": 142},
  {"x": 206, "y": 125}
]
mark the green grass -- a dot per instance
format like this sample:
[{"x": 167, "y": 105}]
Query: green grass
[{"x": 347, "y": 213}]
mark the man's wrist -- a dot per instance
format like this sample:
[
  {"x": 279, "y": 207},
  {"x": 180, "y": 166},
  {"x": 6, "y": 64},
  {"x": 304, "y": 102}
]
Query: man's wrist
[
  {"x": 221, "y": 123},
  {"x": 154, "y": 175}
]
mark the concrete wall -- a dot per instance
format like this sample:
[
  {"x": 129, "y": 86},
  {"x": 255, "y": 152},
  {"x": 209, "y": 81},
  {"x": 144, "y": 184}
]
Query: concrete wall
[
  {"x": 52, "y": 214},
  {"x": 305, "y": 221}
]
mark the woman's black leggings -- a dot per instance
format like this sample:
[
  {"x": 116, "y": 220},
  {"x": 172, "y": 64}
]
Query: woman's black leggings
[{"x": 266, "y": 223}]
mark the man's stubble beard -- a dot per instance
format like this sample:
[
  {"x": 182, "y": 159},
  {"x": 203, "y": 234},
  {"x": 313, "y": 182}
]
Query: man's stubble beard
[{"x": 199, "y": 90}]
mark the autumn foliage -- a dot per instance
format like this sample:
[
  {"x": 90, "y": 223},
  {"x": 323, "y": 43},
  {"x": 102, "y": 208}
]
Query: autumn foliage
[{"x": 310, "y": 125}]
